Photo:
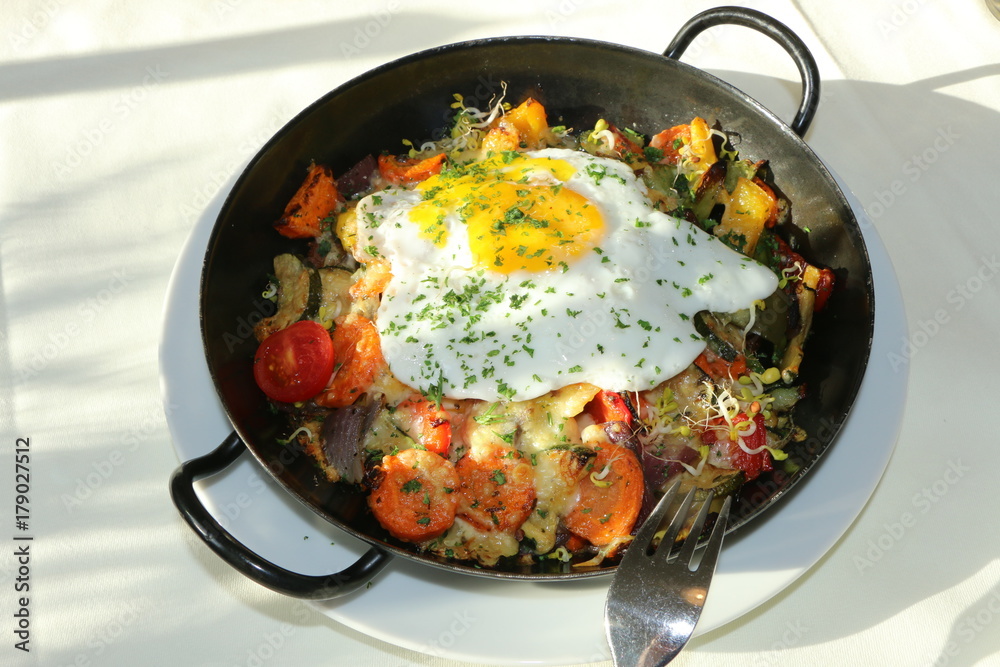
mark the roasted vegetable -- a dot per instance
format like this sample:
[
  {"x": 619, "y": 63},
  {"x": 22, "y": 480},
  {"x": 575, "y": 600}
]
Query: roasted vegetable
[
  {"x": 750, "y": 207},
  {"x": 523, "y": 127},
  {"x": 299, "y": 293},
  {"x": 610, "y": 497},
  {"x": 567, "y": 475},
  {"x": 400, "y": 170},
  {"x": 358, "y": 360},
  {"x": 342, "y": 438},
  {"x": 313, "y": 206},
  {"x": 412, "y": 495}
]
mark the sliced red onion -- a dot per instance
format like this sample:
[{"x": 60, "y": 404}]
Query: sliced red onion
[
  {"x": 357, "y": 179},
  {"x": 343, "y": 437}
]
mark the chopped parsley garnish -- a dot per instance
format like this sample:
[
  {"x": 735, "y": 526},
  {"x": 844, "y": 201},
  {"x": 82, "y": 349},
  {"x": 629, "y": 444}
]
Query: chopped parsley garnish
[{"x": 488, "y": 417}]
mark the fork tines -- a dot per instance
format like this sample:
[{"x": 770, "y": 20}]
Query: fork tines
[{"x": 656, "y": 598}]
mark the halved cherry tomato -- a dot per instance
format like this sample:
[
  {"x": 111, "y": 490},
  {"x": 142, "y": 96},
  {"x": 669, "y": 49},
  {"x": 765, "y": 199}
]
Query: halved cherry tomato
[{"x": 295, "y": 363}]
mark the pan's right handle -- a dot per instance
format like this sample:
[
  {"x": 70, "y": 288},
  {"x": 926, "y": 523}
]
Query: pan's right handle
[
  {"x": 264, "y": 572},
  {"x": 774, "y": 29}
]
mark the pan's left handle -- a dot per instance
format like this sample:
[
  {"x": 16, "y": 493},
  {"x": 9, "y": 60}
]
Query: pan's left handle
[
  {"x": 776, "y": 30},
  {"x": 264, "y": 572}
]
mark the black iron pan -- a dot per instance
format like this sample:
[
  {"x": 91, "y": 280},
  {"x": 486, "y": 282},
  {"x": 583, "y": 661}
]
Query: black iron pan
[{"x": 578, "y": 81}]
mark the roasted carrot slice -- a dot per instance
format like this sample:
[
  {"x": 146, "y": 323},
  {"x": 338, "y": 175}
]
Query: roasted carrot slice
[
  {"x": 413, "y": 495},
  {"x": 426, "y": 423},
  {"x": 497, "y": 488},
  {"x": 407, "y": 170},
  {"x": 358, "y": 359},
  {"x": 315, "y": 202},
  {"x": 609, "y": 499}
]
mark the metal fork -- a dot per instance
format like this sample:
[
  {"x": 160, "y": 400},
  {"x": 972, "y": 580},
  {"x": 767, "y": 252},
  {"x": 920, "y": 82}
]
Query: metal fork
[{"x": 655, "y": 600}]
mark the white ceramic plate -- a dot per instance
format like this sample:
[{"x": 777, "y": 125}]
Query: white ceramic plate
[{"x": 465, "y": 618}]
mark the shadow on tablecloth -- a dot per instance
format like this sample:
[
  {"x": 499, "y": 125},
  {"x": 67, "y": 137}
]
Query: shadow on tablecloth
[{"x": 918, "y": 159}]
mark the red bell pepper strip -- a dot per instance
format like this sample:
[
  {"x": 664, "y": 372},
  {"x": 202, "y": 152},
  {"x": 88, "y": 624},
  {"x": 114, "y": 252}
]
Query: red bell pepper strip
[
  {"x": 752, "y": 465},
  {"x": 608, "y": 406}
]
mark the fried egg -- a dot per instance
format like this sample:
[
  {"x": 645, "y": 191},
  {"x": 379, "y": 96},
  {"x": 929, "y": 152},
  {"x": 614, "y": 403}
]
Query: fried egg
[{"x": 528, "y": 272}]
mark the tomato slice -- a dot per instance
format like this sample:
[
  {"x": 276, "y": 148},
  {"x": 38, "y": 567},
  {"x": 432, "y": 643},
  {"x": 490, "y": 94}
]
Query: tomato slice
[
  {"x": 296, "y": 363},
  {"x": 751, "y": 464},
  {"x": 406, "y": 170},
  {"x": 669, "y": 141},
  {"x": 608, "y": 406}
]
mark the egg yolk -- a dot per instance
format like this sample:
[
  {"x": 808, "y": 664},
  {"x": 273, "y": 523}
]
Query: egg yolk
[{"x": 518, "y": 214}]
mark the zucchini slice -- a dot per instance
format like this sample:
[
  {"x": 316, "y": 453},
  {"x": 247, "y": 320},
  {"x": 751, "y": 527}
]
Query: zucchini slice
[{"x": 299, "y": 293}]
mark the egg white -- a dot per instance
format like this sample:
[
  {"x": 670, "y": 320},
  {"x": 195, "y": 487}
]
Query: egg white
[{"x": 618, "y": 316}]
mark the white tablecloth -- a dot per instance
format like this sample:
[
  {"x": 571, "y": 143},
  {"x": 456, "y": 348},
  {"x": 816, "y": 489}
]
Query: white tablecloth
[{"x": 123, "y": 123}]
